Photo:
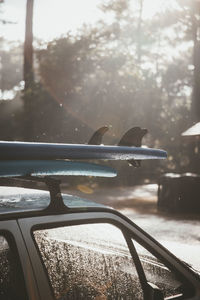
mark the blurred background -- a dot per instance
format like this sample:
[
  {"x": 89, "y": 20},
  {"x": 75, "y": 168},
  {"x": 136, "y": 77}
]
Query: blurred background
[{"x": 70, "y": 67}]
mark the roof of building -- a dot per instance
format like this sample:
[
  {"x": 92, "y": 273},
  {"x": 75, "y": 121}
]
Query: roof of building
[{"x": 192, "y": 131}]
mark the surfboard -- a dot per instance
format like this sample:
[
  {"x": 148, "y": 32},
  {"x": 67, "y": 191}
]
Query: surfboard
[
  {"x": 53, "y": 167},
  {"x": 51, "y": 151}
]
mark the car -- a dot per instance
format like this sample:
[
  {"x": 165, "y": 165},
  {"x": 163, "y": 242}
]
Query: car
[{"x": 59, "y": 246}]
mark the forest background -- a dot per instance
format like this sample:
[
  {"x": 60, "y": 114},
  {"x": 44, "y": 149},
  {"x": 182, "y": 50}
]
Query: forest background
[{"x": 123, "y": 71}]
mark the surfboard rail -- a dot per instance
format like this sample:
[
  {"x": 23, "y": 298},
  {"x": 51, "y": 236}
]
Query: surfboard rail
[{"x": 53, "y": 151}]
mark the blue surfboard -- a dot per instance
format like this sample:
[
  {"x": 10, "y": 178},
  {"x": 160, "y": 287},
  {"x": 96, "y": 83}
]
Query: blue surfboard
[
  {"x": 53, "y": 167},
  {"x": 50, "y": 151}
]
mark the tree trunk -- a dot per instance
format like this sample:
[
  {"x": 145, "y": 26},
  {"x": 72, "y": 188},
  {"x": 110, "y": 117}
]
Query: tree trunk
[
  {"x": 28, "y": 120},
  {"x": 28, "y": 45},
  {"x": 196, "y": 61}
]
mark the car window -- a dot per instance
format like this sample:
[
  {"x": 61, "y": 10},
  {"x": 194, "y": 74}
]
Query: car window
[
  {"x": 157, "y": 273},
  {"x": 11, "y": 278},
  {"x": 88, "y": 262}
]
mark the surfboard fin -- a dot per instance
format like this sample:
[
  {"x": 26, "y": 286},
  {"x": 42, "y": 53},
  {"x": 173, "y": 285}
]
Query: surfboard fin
[
  {"x": 96, "y": 138},
  {"x": 133, "y": 137}
]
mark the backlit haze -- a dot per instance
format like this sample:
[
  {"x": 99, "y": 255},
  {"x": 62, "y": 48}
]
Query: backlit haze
[{"x": 55, "y": 18}]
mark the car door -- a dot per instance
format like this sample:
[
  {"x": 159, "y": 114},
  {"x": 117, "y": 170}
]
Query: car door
[
  {"x": 95, "y": 255},
  {"x": 16, "y": 275}
]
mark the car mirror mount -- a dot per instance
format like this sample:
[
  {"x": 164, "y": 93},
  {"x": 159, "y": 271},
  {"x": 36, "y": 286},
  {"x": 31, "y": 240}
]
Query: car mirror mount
[{"x": 153, "y": 292}]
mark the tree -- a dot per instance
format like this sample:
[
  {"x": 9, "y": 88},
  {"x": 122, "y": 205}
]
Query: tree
[
  {"x": 28, "y": 46},
  {"x": 106, "y": 73},
  {"x": 195, "y": 17},
  {"x": 28, "y": 74},
  {"x": 11, "y": 66}
]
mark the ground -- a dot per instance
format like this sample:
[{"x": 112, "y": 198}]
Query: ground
[{"x": 179, "y": 233}]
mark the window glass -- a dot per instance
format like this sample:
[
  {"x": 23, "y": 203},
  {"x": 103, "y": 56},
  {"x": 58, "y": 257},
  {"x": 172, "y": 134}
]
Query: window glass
[
  {"x": 11, "y": 278},
  {"x": 88, "y": 262},
  {"x": 157, "y": 273}
]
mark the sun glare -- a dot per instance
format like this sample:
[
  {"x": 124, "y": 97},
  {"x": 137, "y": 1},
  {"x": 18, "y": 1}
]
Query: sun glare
[
  {"x": 54, "y": 18},
  {"x": 150, "y": 8}
]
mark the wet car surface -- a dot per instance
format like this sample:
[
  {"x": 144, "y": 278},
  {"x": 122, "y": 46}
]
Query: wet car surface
[{"x": 83, "y": 251}]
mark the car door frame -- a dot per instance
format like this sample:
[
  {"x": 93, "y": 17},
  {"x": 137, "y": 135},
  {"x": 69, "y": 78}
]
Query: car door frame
[
  {"x": 27, "y": 225},
  {"x": 10, "y": 227}
]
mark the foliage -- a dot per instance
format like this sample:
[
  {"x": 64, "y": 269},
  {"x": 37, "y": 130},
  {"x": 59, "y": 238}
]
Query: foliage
[
  {"x": 10, "y": 60},
  {"x": 11, "y": 66},
  {"x": 131, "y": 71},
  {"x": 100, "y": 80}
]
